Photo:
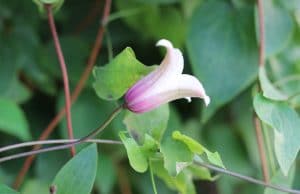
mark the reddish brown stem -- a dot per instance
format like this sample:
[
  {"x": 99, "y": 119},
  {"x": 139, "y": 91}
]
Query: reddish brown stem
[
  {"x": 261, "y": 149},
  {"x": 261, "y": 62},
  {"x": 48, "y": 130},
  {"x": 64, "y": 71},
  {"x": 93, "y": 13},
  {"x": 123, "y": 180}
]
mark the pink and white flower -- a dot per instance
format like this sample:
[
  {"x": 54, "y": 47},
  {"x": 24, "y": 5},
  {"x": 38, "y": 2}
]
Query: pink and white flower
[{"x": 164, "y": 84}]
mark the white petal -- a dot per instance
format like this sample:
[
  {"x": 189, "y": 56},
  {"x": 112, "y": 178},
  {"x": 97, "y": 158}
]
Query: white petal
[
  {"x": 173, "y": 62},
  {"x": 189, "y": 99},
  {"x": 189, "y": 86},
  {"x": 181, "y": 86},
  {"x": 165, "y": 43}
]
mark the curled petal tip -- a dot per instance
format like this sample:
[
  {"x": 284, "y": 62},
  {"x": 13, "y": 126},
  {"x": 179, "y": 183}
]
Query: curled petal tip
[
  {"x": 206, "y": 100},
  {"x": 165, "y": 43},
  {"x": 189, "y": 99}
]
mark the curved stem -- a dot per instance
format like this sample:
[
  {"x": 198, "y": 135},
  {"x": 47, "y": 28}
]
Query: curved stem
[
  {"x": 60, "y": 147},
  {"x": 152, "y": 178},
  {"x": 246, "y": 178},
  {"x": 64, "y": 71}
]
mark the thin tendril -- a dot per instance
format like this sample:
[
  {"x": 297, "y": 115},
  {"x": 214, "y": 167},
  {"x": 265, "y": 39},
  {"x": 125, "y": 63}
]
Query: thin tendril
[{"x": 246, "y": 178}]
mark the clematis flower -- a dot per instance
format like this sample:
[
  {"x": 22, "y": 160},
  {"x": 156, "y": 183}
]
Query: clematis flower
[{"x": 166, "y": 83}]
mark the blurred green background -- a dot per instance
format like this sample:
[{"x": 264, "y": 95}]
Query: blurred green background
[{"x": 219, "y": 42}]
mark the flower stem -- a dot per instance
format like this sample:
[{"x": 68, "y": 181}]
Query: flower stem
[
  {"x": 68, "y": 145},
  {"x": 55, "y": 141},
  {"x": 152, "y": 178},
  {"x": 64, "y": 71}
]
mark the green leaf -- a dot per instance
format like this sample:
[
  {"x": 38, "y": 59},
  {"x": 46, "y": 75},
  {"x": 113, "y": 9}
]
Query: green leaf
[
  {"x": 17, "y": 91},
  {"x": 285, "y": 122},
  {"x": 153, "y": 123},
  {"x": 176, "y": 154},
  {"x": 279, "y": 33},
  {"x": 78, "y": 175},
  {"x": 12, "y": 120},
  {"x": 292, "y": 5},
  {"x": 6, "y": 190},
  {"x": 197, "y": 148},
  {"x": 35, "y": 186},
  {"x": 47, "y": 165},
  {"x": 39, "y": 77},
  {"x": 193, "y": 145},
  {"x": 10, "y": 86},
  {"x": 115, "y": 78},
  {"x": 182, "y": 182},
  {"x": 269, "y": 91},
  {"x": 137, "y": 159},
  {"x": 280, "y": 179},
  {"x": 106, "y": 174},
  {"x": 222, "y": 46}
]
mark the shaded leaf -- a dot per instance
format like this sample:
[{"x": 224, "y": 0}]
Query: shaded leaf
[
  {"x": 12, "y": 120},
  {"x": 158, "y": 21},
  {"x": 6, "y": 190},
  {"x": 285, "y": 122},
  {"x": 10, "y": 86},
  {"x": 106, "y": 174},
  {"x": 17, "y": 91},
  {"x": 47, "y": 165},
  {"x": 78, "y": 175},
  {"x": 279, "y": 33},
  {"x": 222, "y": 46},
  {"x": 75, "y": 51},
  {"x": 223, "y": 139}
]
